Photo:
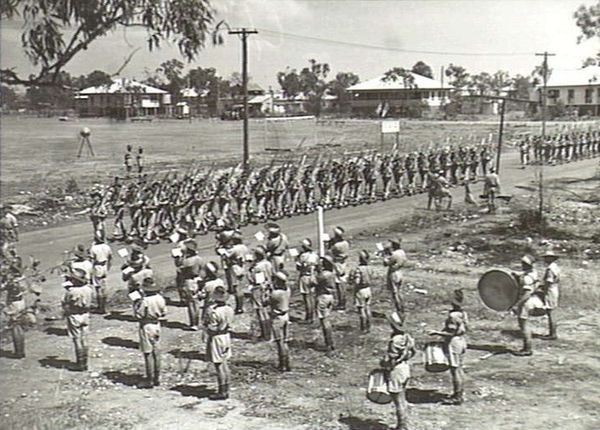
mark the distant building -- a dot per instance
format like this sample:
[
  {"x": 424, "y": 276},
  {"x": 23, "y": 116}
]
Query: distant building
[
  {"x": 378, "y": 96},
  {"x": 122, "y": 99},
  {"x": 578, "y": 90}
]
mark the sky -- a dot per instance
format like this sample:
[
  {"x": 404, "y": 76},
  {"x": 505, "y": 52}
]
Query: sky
[{"x": 366, "y": 37}]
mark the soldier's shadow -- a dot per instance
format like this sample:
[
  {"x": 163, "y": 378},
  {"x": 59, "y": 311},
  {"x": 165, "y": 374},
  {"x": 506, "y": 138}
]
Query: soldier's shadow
[
  {"x": 120, "y": 316},
  {"x": 8, "y": 354},
  {"x": 200, "y": 391},
  {"x": 418, "y": 396},
  {"x": 356, "y": 423},
  {"x": 495, "y": 349},
  {"x": 56, "y": 331},
  {"x": 174, "y": 303},
  {"x": 57, "y": 363},
  {"x": 129, "y": 379},
  {"x": 188, "y": 355},
  {"x": 177, "y": 325},
  {"x": 120, "y": 342}
]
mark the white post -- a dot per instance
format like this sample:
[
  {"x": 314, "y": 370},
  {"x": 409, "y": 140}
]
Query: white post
[{"x": 320, "y": 231}]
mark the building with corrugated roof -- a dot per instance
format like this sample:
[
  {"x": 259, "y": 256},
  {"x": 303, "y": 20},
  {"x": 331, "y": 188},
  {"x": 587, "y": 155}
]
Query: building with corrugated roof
[
  {"x": 123, "y": 98},
  {"x": 389, "y": 97},
  {"x": 577, "y": 89}
]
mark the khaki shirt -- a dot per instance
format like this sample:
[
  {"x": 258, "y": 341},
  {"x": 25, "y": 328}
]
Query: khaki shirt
[
  {"x": 280, "y": 301},
  {"x": 396, "y": 260},
  {"x": 219, "y": 318},
  {"x": 151, "y": 309},
  {"x": 101, "y": 253},
  {"x": 78, "y": 300}
]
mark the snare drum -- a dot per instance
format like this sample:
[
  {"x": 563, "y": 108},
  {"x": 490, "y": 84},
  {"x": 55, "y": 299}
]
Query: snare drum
[
  {"x": 377, "y": 391},
  {"x": 435, "y": 357}
]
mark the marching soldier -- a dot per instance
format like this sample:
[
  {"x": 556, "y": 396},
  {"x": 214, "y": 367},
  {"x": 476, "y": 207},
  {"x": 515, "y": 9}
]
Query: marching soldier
[
  {"x": 139, "y": 160},
  {"x": 81, "y": 260},
  {"x": 208, "y": 284},
  {"x": 279, "y": 302},
  {"x": 219, "y": 317},
  {"x": 307, "y": 264},
  {"x": 339, "y": 248},
  {"x": 101, "y": 255},
  {"x": 76, "y": 304},
  {"x": 455, "y": 329},
  {"x": 127, "y": 161},
  {"x": 325, "y": 290},
  {"x": 361, "y": 279},
  {"x": 395, "y": 260},
  {"x": 150, "y": 310}
]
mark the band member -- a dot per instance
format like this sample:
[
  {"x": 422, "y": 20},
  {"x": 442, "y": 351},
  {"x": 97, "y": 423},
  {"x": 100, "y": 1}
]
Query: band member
[
  {"x": 101, "y": 255},
  {"x": 325, "y": 290},
  {"x": 76, "y": 304},
  {"x": 455, "y": 329},
  {"x": 551, "y": 284},
  {"x": 81, "y": 260},
  {"x": 361, "y": 280},
  {"x": 401, "y": 348},
  {"x": 528, "y": 301},
  {"x": 260, "y": 276},
  {"x": 139, "y": 160},
  {"x": 276, "y": 246},
  {"x": 395, "y": 260},
  {"x": 190, "y": 269},
  {"x": 307, "y": 263},
  {"x": 491, "y": 188},
  {"x": 339, "y": 248},
  {"x": 279, "y": 301},
  {"x": 150, "y": 310},
  {"x": 127, "y": 161},
  {"x": 235, "y": 255},
  {"x": 19, "y": 309},
  {"x": 219, "y": 317}
]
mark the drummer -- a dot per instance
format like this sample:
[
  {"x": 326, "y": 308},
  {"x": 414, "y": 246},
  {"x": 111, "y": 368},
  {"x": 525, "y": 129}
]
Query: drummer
[
  {"x": 455, "y": 329},
  {"x": 527, "y": 302},
  {"x": 551, "y": 290},
  {"x": 401, "y": 348}
]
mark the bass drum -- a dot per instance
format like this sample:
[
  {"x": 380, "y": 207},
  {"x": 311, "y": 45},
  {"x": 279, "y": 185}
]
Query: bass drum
[
  {"x": 377, "y": 391},
  {"x": 498, "y": 289}
]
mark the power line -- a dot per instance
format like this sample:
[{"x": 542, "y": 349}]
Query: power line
[{"x": 272, "y": 33}]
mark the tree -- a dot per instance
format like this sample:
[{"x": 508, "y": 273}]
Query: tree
[
  {"x": 338, "y": 87},
  {"x": 97, "y": 78},
  {"x": 289, "y": 81},
  {"x": 313, "y": 85},
  {"x": 59, "y": 96},
  {"x": 458, "y": 76},
  {"x": 55, "y": 31},
  {"x": 422, "y": 69},
  {"x": 587, "y": 18},
  {"x": 8, "y": 97}
]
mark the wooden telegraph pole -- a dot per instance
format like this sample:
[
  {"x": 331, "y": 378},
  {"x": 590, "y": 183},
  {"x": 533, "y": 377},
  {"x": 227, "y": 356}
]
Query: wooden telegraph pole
[
  {"x": 244, "y": 33},
  {"x": 544, "y": 54}
]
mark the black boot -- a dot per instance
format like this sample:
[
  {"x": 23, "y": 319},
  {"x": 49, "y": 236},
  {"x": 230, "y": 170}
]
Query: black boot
[{"x": 223, "y": 393}]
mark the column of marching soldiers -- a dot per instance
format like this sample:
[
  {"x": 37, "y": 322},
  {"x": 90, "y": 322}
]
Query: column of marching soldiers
[{"x": 196, "y": 203}]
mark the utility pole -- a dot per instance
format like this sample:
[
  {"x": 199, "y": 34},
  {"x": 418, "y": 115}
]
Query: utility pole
[
  {"x": 544, "y": 54},
  {"x": 244, "y": 33},
  {"x": 500, "y": 132}
]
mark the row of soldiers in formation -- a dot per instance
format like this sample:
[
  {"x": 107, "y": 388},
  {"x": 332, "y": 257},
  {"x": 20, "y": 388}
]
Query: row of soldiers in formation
[
  {"x": 560, "y": 147},
  {"x": 205, "y": 201}
]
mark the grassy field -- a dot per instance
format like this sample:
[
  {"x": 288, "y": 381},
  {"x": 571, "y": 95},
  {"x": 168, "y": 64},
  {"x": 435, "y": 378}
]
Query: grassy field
[{"x": 37, "y": 153}]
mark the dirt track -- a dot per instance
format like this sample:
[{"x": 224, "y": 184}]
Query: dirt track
[{"x": 320, "y": 392}]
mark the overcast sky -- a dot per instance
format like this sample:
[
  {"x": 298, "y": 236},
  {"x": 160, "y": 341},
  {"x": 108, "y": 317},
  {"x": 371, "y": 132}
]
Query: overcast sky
[{"x": 388, "y": 28}]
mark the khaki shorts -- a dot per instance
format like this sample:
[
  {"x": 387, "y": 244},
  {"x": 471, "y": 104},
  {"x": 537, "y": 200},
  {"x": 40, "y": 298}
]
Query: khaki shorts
[
  {"x": 362, "y": 297},
  {"x": 456, "y": 350},
  {"x": 398, "y": 378},
  {"x": 280, "y": 325},
  {"x": 324, "y": 305},
  {"x": 551, "y": 297},
  {"x": 532, "y": 306},
  {"x": 77, "y": 325},
  {"x": 218, "y": 348},
  {"x": 306, "y": 284},
  {"x": 394, "y": 280},
  {"x": 149, "y": 337},
  {"x": 258, "y": 297}
]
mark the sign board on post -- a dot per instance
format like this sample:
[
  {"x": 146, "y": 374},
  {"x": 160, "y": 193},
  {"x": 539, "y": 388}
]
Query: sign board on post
[{"x": 390, "y": 127}]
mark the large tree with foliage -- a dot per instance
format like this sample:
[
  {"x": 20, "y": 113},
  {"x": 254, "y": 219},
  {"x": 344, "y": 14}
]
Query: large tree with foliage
[
  {"x": 338, "y": 87},
  {"x": 55, "y": 31},
  {"x": 457, "y": 75},
  {"x": 310, "y": 81},
  {"x": 421, "y": 68},
  {"x": 289, "y": 81},
  {"x": 587, "y": 18}
]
